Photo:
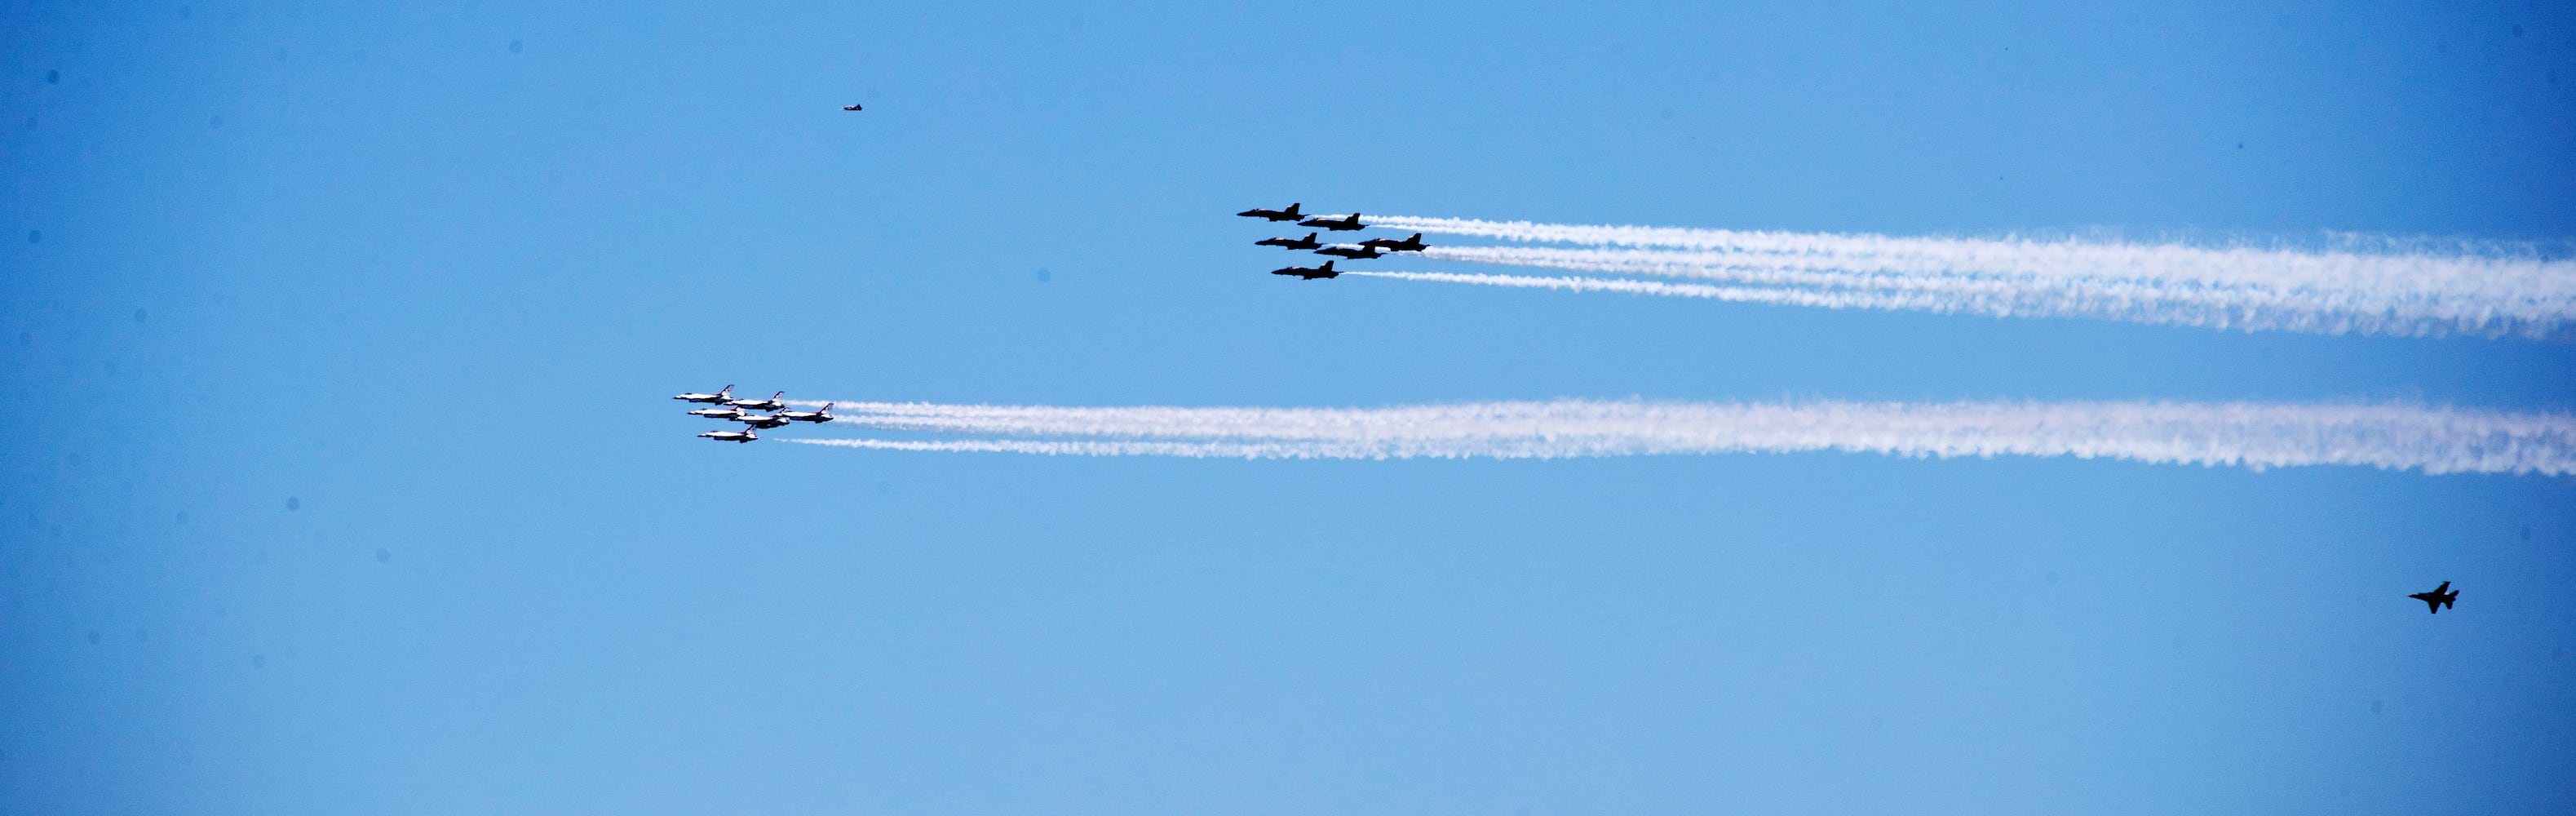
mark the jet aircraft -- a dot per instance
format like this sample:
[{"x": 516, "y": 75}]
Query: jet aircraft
[
  {"x": 721, "y": 395},
  {"x": 1308, "y": 272},
  {"x": 1307, "y": 242},
  {"x": 1413, "y": 244},
  {"x": 850, "y": 107},
  {"x": 770, "y": 404},
  {"x": 1289, "y": 214},
  {"x": 727, "y": 412},
  {"x": 2437, "y": 599},
  {"x": 763, "y": 421},
  {"x": 1352, "y": 251},
  {"x": 744, "y": 435},
  {"x": 824, "y": 415},
  {"x": 1337, "y": 223}
]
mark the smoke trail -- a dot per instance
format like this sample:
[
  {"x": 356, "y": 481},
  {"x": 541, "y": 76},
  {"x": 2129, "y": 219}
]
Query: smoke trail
[
  {"x": 2473, "y": 289},
  {"x": 2401, "y": 437}
]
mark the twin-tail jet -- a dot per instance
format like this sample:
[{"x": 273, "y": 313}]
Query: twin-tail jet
[
  {"x": 719, "y": 396},
  {"x": 1308, "y": 272},
  {"x": 2438, "y": 600},
  {"x": 1336, "y": 223},
  {"x": 744, "y": 435},
  {"x": 824, "y": 415},
  {"x": 1307, "y": 242},
  {"x": 770, "y": 404},
  {"x": 1289, "y": 214},
  {"x": 1352, "y": 251},
  {"x": 727, "y": 412},
  {"x": 1413, "y": 244}
]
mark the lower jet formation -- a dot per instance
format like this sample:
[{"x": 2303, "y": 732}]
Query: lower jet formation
[
  {"x": 2438, "y": 600},
  {"x": 1307, "y": 242},
  {"x": 1308, "y": 272},
  {"x": 744, "y": 435}
]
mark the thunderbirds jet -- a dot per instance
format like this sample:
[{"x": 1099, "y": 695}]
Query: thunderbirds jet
[
  {"x": 770, "y": 404},
  {"x": 1307, "y": 242},
  {"x": 824, "y": 415},
  {"x": 725, "y": 394},
  {"x": 1413, "y": 244},
  {"x": 1308, "y": 272},
  {"x": 1289, "y": 214},
  {"x": 850, "y": 107},
  {"x": 1353, "y": 251},
  {"x": 727, "y": 412},
  {"x": 1336, "y": 223},
  {"x": 761, "y": 420},
  {"x": 744, "y": 435},
  {"x": 2438, "y": 599}
]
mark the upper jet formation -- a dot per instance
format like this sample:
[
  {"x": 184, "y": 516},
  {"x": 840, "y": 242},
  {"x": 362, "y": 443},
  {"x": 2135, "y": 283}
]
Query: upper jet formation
[
  {"x": 1289, "y": 214},
  {"x": 1353, "y": 251},
  {"x": 1307, "y": 242},
  {"x": 2437, "y": 599},
  {"x": 1308, "y": 272},
  {"x": 1336, "y": 223},
  {"x": 1413, "y": 244},
  {"x": 721, "y": 395}
]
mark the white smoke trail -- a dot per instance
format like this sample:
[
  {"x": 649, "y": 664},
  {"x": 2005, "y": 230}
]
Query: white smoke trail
[
  {"x": 2404, "y": 437},
  {"x": 2472, "y": 289}
]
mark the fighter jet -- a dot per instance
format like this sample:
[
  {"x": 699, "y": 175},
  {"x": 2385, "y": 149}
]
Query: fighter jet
[
  {"x": 763, "y": 421},
  {"x": 1352, "y": 251},
  {"x": 744, "y": 435},
  {"x": 1337, "y": 223},
  {"x": 1307, "y": 242},
  {"x": 727, "y": 412},
  {"x": 719, "y": 396},
  {"x": 824, "y": 415},
  {"x": 1413, "y": 244},
  {"x": 1289, "y": 214},
  {"x": 770, "y": 404},
  {"x": 1308, "y": 272},
  {"x": 850, "y": 107},
  {"x": 2437, "y": 599}
]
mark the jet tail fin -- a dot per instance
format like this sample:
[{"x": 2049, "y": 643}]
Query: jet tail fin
[{"x": 1327, "y": 267}]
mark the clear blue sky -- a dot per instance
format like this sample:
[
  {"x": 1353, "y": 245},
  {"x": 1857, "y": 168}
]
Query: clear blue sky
[{"x": 343, "y": 477}]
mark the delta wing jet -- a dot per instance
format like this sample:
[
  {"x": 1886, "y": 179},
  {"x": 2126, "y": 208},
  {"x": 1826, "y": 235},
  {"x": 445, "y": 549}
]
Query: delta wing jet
[
  {"x": 2437, "y": 599},
  {"x": 1307, "y": 242},
  {"x": 1289, "y": 214},
  {"x": 721, "y": 395},
  {"x": 1336, "y": 223},
  {"x": 1308, "y": 272}
]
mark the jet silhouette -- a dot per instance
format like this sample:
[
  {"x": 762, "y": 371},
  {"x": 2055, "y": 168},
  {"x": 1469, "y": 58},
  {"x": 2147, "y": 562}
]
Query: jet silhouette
[
  {"x": 1413, "y": 244},
  {"x": 1351, "y": 251},
  {"x": 1308, "y": 272},
  {"x": 1289, "y": 214},
  {"x": 1336, "y": 223},
  {"x": 850, "y": 107},
  {"x": 2437, "y": 599},
  {"x": 1307, "y": 242}
]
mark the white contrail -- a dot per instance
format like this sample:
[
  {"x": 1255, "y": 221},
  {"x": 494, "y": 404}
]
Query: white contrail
[
  {"x": 2473, "y": 289},
  {"x": 2404, "y": 437}
]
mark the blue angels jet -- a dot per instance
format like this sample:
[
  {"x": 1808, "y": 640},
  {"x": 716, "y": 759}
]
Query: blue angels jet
[
  {"x": 1289, "y": 214},
  {"x": 1413, "y": 244},
  {"x": 1308, "y": 272},
  {"x": 1307, "y": 242},
  {"x": 1336, "y": 223}
]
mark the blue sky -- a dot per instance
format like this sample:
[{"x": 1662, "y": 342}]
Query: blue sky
[{"x": 346, "y": 479}]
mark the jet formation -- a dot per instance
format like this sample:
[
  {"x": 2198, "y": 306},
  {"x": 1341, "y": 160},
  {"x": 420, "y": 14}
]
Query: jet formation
[
  {"x": 731, "y": 409},
  {"x": 1339, "y": 222}
]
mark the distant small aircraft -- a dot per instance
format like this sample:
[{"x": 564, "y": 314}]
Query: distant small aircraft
[
  {"x": 1352, "y": 251},
  {"x": 1413, "y": 244},
  {"x": 1307, "y": 242},
  {"x": 744, "y": 435},
  {"x": 824, "y": 415},
  {"x": 727, "y": 412},
  {"x": 1337, "y": 223},
  {"x": 719, "y": 396},
  {"x": 770, "y": 404},
  {"x": 1289, "y": 214},
  {"x": 762, "y": 421},
  {"x": 1308, "y": 272},
  {"x": 2437, "y": 599},
  {"x": 850, "y": 107}
]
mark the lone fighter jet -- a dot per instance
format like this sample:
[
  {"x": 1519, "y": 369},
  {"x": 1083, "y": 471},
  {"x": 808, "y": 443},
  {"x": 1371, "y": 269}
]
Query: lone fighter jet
[
  {"x": 1353, "y": 251},
  {"x": 1307, "y": 242},
  {"x": 763, "y": 421},
  {"x": 727, "y": 412},
  {"x": 2437, "y": 599},
  {"x": 744, "y": 435},
  {"x": 1308, "y": 272},
  {"x": 850, "y": 107},
  {"x": 1289, "y": 214},
  {"x": 1336, "y": 223},
  {"x": 1413, "y": 244},
  {"x": 824, "y": 415},
  {"x": 770, "y": 404},
  {"x": 719, "y": 396}
]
